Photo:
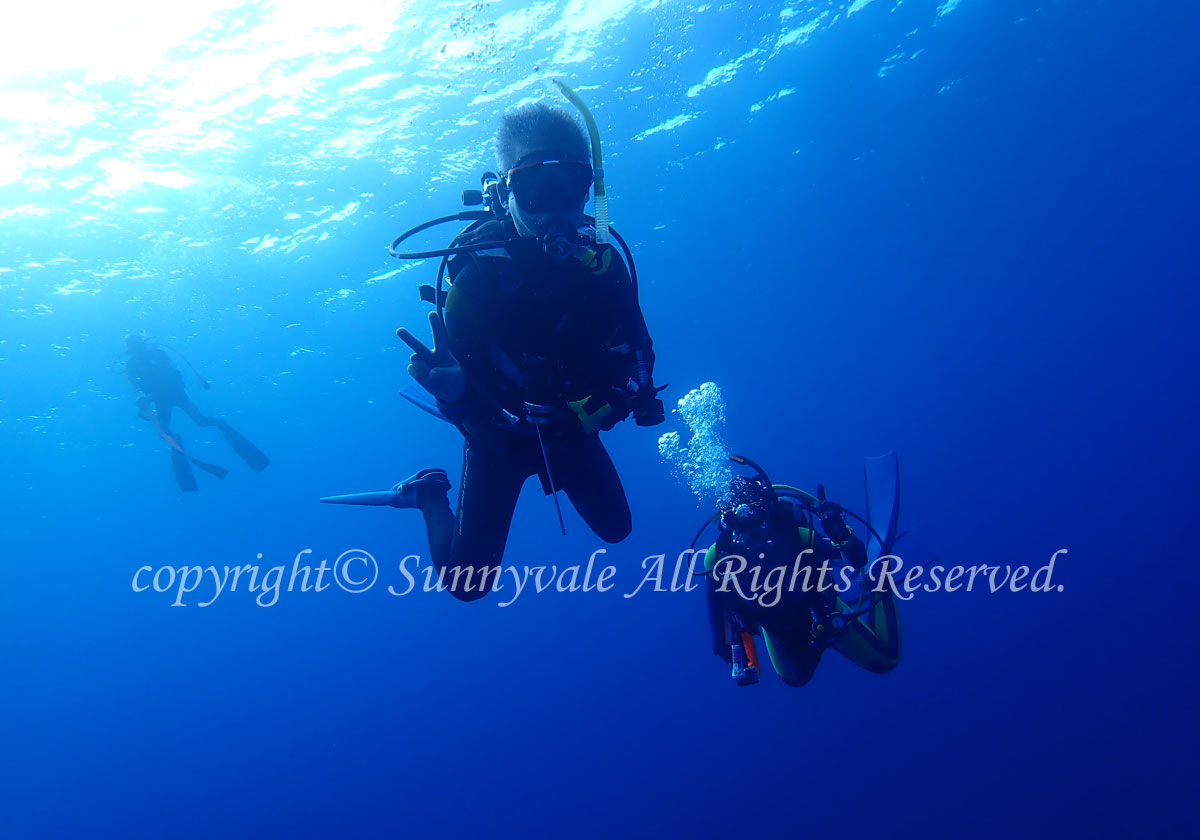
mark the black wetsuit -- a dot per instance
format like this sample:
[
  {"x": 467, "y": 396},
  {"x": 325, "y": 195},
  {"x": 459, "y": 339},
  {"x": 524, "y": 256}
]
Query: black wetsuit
[
  {"x": 872, "y": 643},
  {"x": 151, "y": 373},
  {"x": 529, "y": 328}
]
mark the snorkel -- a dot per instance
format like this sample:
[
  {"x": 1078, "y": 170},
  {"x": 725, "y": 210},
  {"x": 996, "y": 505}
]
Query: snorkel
[
  {"x": 494, "y": 198},
  {"x": 599, "y": 195},
  {"x": 655, "y": 413},
  {"x": 543, "y": 205}
]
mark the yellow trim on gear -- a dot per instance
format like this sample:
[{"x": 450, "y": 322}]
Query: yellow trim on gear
[{"x": 778, "y": 660}]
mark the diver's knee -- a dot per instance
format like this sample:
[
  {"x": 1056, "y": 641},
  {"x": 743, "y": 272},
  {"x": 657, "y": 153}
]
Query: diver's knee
[
  {"x": 615, "y": 529},
  {"x": 795, "y": 670},
  {"x": 616, "y": 535},
  {"x": 468, "y": 595},
  {"x": 883, "y": 666},
  {"x": 798, "y": 680},
  {"x": 470, "y": 583}
]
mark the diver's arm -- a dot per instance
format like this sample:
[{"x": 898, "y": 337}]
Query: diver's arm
[
  {"x": 822, "y": 547},
  {"x": 435, "y": 368},
  {"x": 481, "y": 359},
  {"x": 467, "y": 406},
  {"x": 855, "y": 552},
  {"x": 622, "y": 380},
  {"x": 840, "y": 537},
  {"x": 639, "y": 336},
  {"x": 631, "y": 326},
  {"x": 142, "y": 399},
  {"x": 717, "y": 602},
  {"x": 645, "y": 406},
  {"x": 718, "y": 621}
]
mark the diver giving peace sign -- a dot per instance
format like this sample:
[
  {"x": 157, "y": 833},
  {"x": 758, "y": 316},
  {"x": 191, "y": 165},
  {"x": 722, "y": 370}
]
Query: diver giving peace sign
[{"x": 539, "y": 345}]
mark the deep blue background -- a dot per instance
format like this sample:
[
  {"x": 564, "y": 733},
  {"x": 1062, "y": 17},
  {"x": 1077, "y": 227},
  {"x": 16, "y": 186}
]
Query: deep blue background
[{"x": 997, "y": 281}]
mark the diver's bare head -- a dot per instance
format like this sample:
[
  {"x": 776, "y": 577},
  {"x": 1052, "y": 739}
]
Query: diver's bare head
[
  {"x": 544, "y": 156},
  {"x": 539, "y": 128}
]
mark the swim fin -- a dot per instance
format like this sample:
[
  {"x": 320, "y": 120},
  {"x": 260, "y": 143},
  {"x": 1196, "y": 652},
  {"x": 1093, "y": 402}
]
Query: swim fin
[
  {"x": 183, "y": 471},
  {"x": 211, "y": 469},
  {"x": 248, "y": 452},
  {"x": 406, "y": 494},
  {"x": 882, "y": 476},
  {"x": 426, "y": 403},
  {"x": 379, "y": 498}
]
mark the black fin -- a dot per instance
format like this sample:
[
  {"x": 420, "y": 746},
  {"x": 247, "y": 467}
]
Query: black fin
[
  {"x": 183, "y": 472},
  {"x": 248, "y": 452},
  {"x": 211, "y": 469}
]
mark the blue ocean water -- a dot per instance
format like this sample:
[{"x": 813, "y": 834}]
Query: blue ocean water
[{"x": 964, "y": 231}]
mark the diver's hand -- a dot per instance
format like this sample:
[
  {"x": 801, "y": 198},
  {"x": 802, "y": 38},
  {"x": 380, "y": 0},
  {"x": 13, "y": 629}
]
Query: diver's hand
[
  {"x": 436, "y": 369},
  {"x": 600, "y": 412},
  {"x": 833, "y": 520}
]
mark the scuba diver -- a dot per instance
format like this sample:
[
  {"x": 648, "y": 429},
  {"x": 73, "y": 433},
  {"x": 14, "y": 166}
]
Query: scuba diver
[
  {"x": 826, "y": 598},
  {"x": 539, "y": 345},
  {"x": 159, "y": 386}
]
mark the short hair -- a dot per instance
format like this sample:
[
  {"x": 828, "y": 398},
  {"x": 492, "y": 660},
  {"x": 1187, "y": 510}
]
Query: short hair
[{"x": 538, "y": 127}]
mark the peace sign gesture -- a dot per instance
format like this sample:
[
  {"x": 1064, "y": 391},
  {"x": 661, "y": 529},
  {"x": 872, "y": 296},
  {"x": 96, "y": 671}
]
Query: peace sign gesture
[{"x": 436, "y": 369}]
